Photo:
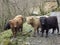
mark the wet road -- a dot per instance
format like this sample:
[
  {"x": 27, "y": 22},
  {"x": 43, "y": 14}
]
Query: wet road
[{"x": 53, "y": 39}]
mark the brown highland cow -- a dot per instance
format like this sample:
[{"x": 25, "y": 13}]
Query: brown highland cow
[
  {"x": 34, "y": 22},
  {"x": 16, "y": 24}
]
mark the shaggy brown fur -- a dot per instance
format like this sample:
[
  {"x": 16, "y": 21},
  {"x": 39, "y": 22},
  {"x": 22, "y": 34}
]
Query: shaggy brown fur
[
  {"x": 16, "y": 24},
  {"x": 34, "y": 22}
]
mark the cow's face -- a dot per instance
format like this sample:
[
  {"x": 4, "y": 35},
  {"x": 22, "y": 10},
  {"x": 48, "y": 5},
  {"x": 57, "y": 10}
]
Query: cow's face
[
  {"x": 13, "y": 24},
  {"x": 29, "y": 20},
  {"x": 42, "y": 19}
]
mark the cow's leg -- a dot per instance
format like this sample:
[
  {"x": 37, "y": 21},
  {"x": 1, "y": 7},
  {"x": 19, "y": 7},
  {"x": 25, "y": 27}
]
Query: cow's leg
[
  {"x": 17, "y": 30},
  {"x": 35, "y": 28},
  {"x": 14, "y": 33},
  {"x": 21, "y": 27},
  {"x": 38, "y": 30},
  {"x": 34, "y": 35},
  {"x": 42, "y": 30},
  {"x": 57, "y": 29},
  {"x": 46, "y": 32},
  {"x": 20, "y": 30},
  {"x": 53, "y": 30}
]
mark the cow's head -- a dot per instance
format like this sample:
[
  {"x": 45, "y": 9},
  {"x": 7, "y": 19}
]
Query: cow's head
[
  {"x": 43, "y": 20},
  {"x": 13, "y": 24},
  {"x": 29, "y": 20}
]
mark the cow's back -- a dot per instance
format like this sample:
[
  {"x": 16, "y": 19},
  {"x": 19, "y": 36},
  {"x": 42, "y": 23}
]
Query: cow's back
[{"x": 52, "y": 20}]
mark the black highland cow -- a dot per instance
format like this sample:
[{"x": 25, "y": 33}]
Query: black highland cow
[{"x": 49, "y": 23}]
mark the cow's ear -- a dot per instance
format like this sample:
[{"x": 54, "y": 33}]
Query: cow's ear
[{"x": 10, "y": 21}]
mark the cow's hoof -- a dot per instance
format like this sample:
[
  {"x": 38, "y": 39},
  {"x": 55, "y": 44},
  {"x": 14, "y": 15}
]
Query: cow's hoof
[
  {"x": 41, "y": 35},
  {"x": 52, "y": 33},
  {"x": 58, "y": 34},
  {"x": 46, "y": 36},
  {"x": 38, "y": 34},
  {"x": 34, "y": 35}
]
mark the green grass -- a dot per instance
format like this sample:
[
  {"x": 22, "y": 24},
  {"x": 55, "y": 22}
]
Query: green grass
[{"x": 5, "y": 36}]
